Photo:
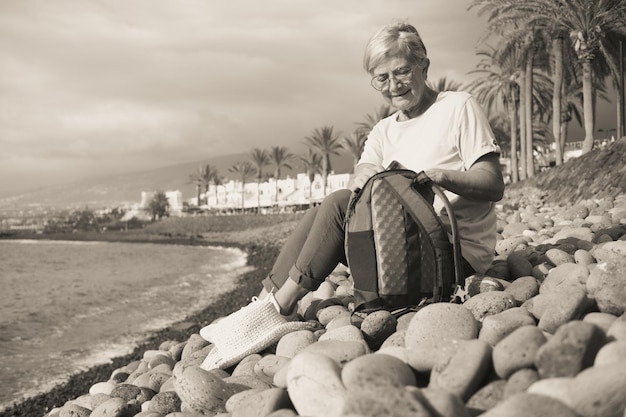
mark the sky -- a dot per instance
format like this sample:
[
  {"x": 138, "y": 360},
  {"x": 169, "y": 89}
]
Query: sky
[{"x": 92, "y": 88}]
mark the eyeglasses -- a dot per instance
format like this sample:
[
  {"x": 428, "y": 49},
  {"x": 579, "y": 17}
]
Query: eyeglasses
[{"x": 402, "y": 74}]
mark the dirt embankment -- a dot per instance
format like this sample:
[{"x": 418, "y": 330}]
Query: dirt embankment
[{"x": 598, "y": 174}]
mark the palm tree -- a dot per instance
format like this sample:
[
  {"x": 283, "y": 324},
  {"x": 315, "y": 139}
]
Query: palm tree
[
  {"x": 260, "y": 159},
  {"x": 203, "y": 178},
  {"x": 217, "y": 181},
  {"x": 371, "y": 119},
  {"x": 194, "y": 179},
  {"x": 325, "y": 142},
  {"x": 245, "y": 170},
  {"x": 497, "y": 88},
  {"x": 280, "y": 157},
  {"x": 354, "y": 144},
  {"x": 589, "y": 22},
  {"x": 312, "y": 164}
]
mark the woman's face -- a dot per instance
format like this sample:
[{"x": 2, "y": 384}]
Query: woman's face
[{"x": 402, "y": 92}]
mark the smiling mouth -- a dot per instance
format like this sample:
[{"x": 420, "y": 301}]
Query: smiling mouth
[{"x": 403, "y": 94}]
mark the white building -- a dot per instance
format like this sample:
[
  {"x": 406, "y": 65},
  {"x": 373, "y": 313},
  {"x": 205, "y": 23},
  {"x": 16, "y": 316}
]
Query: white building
[{"x": 286, "y": 192}]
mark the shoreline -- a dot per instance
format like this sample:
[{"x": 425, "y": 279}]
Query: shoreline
[{"x": 260, "y": 256}]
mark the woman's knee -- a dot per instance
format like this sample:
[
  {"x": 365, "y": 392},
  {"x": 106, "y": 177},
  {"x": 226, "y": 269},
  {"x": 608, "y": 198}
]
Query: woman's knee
[{"x": 337, "y": 199}]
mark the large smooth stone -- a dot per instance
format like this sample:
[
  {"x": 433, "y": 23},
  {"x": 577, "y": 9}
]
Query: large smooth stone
[
  {"x": 340, "y": 351},
  {"x": 347, "y": 333},
  {"x": 194, "y": 344},
  {"x": 498, "y": 326},
  {"x": 558, "y": 388},
  {"x": 606, "y": 286},
  {"x": 572, "y": 348},
  {"x": 489, "y": 303},
  {"x": 327, "y": 314},
  {"x": 565, "y": 274},
  {"x": 295, "y": 342},
  {"x": 439, "y": 323},
  {"x": 203, "y": 391},
  {"x": 517, "y": 350},
  {"x": 377, "y": 327},
  {"x": 268, "y": 366},
  {"x": 617, "y": 330},
  {"x": 445, "y": 403},
  {"x": 519, "y": 381},
  {"x": 529, "y": 405},
  {"x": 609, "y": 251},
  {"x": 165, "y": 403},
  {"x": 558, "y": 257},
  {"x": 556, "y": 308},
  {"x": 116, "y": 407},
  {"x": 370, "y": 372},
  {"x": 389, "y": 402},
  {"x": 246, "y": 365},
  {"x": 314, "y": 385},
  {"x": 519, "y": 265},
  {"x": 523, "y": 289},
  {"x": 613, "y": 352},
  {"x": 602, "y": 320},
  {"x": 262, "y": 404},
  {"x": 599, "y": 391},
  {"x": 463, "y": 371},
  {"x": 74, "y": 410},
  {"x": 236, "y": 399},
  {"x": 487, "y": 396}
]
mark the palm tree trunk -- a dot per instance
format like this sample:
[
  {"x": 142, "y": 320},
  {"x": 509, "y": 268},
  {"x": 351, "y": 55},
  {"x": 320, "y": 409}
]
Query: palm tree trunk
[
  {"x": 620, "y": 93},
  {"x": 324, "y": 174},
  {"x": 530, "y": 160},
  {"x": 587, "y": 106},
  {"x": 258, "y": 195},
  {"x": 522, "y": 124},
  {"x": 198, "y": 191},
  {"x": 563, "y": 137},
  {"x": 243, "y": 189},
  {"x": 513, "y": 124},
  {"x": 557, "y": 77}
]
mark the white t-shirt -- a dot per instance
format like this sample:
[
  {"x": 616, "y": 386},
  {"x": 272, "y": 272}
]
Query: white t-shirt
[{"x": 452, "y": 134}]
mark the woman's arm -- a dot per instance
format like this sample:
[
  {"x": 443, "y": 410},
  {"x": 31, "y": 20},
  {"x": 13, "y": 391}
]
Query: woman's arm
[
  {"x": 482, "y": 181},
  {"x": 362, "y": 172}
]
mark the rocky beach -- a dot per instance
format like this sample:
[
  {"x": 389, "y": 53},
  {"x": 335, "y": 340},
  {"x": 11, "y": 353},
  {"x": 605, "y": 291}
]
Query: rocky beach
[{"x": 542, "y": 333}]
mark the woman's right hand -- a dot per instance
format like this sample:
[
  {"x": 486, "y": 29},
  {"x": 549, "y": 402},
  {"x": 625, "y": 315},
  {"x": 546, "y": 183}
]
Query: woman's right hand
[{"x": 361, "y": 174}]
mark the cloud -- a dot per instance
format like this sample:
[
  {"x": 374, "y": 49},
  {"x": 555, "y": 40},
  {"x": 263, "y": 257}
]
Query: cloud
[{"x": 94, "y": 87}]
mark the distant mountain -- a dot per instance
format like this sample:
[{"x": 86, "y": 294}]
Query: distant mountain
[{"x": 125, "y": 189}]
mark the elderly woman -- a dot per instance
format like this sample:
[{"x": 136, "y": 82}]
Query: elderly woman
[{"x": 444, "y": 134}]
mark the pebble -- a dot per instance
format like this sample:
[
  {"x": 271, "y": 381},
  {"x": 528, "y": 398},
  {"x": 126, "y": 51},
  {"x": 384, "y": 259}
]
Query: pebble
[
  {"x": 370, "y": 372},
  {"x": 463, "y": 371},
  {"x": 377, "y": 327},
  {"x": 315, "y": 386},
  {"x": 606, "y": 286},
  {"x": 530, "y": 405},
  {"x": 572, "y": 348},
  {"x": 517, "y": 350},
  {"x": 437, "y": 324},
  {"x": 523, "y": 289},
  {"x": 489, "y": 303},
  {"x": 498, "y": 326}
]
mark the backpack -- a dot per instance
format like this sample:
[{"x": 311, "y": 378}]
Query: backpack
[{"x": 397, "y": 248}]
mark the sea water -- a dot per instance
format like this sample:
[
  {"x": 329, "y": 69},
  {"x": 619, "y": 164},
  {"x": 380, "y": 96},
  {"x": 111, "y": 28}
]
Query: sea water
[{"x": 66, "y": 306}]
